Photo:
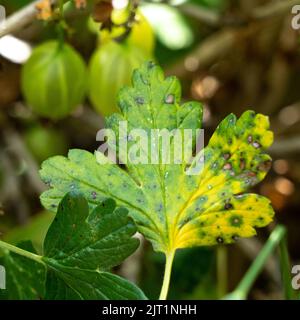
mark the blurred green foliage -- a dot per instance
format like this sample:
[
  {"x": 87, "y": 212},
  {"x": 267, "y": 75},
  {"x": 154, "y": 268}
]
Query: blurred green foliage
[
  {"x": 35, "y": 231},
  {"x": 193, "y": 275}
]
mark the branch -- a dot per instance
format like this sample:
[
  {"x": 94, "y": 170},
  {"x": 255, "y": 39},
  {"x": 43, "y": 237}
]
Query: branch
[
  {"x": 22, "y": 18},
  {"x": 27, "y": 15},
  {"x": 208, "y": 51},
  {"x": 12, "y": 190},
  {"x": 202, "y": 14},
  {"x": 273, "y": 9},
  {"x": 223, "y": 40},
  {"x": 286, "y": 146},
  {"x": 16, "y": 145},
  {"x": 213, "y": 18}
]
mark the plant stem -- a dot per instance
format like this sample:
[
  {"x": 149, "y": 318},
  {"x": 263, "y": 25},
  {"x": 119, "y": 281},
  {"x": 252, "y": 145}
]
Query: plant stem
[
  {"x": 222, "y": 270},
  {"x": 61, "y": 24},
  {"x": 167, "y": 275},
  {"x": 285, "y": 269},
  {"x": 61, "y": 7},
  {"x": 24, "y": 253},
  {"x": 246, "y": 283}
]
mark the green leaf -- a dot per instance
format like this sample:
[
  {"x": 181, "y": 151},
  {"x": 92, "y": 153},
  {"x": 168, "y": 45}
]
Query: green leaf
[
  {"x": 79, "y": 250},
  {"x": 80, "y": 247},
  {"x": 77, "y": 284},
  {"x": 171, "y": 208},
  {"x": 25, "y": 278}
]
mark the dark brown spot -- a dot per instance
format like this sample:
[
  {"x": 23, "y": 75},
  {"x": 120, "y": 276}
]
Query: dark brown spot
[
  {"x": 220, "y": 240},
  {"x": 226, "y": 156},
  {"x": 228, "y": 206},
  {"x": 265, "y": 166},
  {"x": 251, "y": 174},
  {"x": 242, "y": 163}
]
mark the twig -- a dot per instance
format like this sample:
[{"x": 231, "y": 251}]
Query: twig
[
  {"x": 273, "y": 9},
  {"x": 15, "y": 143},
  {"x": 130, "y": 21},
  {"x": 209, "y": 50},
  {"x": 286, "y": 146},
  {"x": 20, "y": 19},
  {"x": 204, "y": 15},
  {"x": 12, "y": 190},
  {"x": 92, "y": 120},
  {"x": 26, "y": 15},
  {"x": 213, "y": 18},
  {"x": 222, "y": 41}
]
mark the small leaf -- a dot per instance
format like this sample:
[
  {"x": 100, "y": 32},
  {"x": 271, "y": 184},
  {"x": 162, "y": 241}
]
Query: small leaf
[
  {"x": 25, "y": 279},
  {"x": 172, "y": 209},
  {"x": 80, "y": 247},
  {"x": 77, "y": 284}
]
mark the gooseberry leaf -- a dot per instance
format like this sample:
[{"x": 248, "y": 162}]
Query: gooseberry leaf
[
  {"x": 24, "y": 278},
  {"x": 170, "y": 207},
  {"x": 80, "y": 248}
]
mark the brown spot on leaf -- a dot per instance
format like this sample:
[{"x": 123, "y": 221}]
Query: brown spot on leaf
[
  {"x": 228, "y": 206},
  {"x": 265, "y": 166},
  {"x": 227, "y": 166},
  {"x": 242, "y": 163},
  {"x": 226, "y": 156}
]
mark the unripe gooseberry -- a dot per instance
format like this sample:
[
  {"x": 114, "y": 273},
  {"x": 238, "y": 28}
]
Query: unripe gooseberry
[
  {"x": 110, "y": 68},
  {"x": 54, "y": 80}
]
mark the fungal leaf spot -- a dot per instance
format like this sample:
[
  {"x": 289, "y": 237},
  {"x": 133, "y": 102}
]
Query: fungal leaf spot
[{"x": 172, "y": 209}]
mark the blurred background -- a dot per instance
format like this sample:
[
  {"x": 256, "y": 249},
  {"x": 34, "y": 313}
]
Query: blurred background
[{"x": 232, "y": 55}]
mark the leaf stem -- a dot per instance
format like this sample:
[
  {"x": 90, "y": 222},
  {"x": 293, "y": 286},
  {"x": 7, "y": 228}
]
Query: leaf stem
[
  {"x": 61, "y": 24},
  {"x": 24, "y": 253},
  {"x": 285, "y": 268},
  {"x": 167, "y": 275},
  {"x": 222, "y": 270},
  {"x": 246, "y": 283}
]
